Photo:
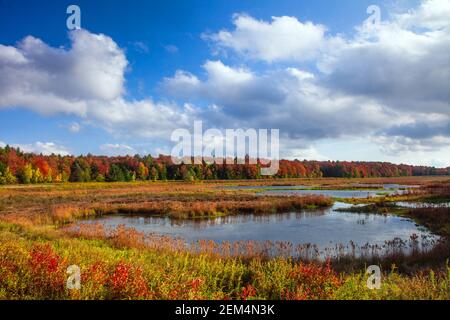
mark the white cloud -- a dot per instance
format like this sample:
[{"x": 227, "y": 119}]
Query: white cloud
[
  {"x": 143, "y": 118},
  {"x": 46, "y": 148},
  {"x": 287, "y": 99},
  {"x": 171, "y": 48},
  {"x": 403, "y": 65},
  {"x": 74, "y": 127},
  {"x": 283, "y": 38},
  {"x": 181, "y": 79},
  {"x": 388, "y": 83},
  {"x": 221, "y": 79},
  {"x": 117, "y": 149},
  {"x": 2, "y": 144},
  {"x": 87, "y": 80},
  {"x": 238, "y": 91},
  {"x": 432, "y": 151},
  {"x": 50, "y": 80},
  {"x": 393, "y": 145},
  {"x": 432, "y": 14},
  {"x": 307, "y": 153},
  {"x": 373, "y": 83}
]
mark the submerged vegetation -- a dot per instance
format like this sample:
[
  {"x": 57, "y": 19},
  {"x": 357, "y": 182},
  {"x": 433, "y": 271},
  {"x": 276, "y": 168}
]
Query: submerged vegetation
[{"x": 39, "y": 239}]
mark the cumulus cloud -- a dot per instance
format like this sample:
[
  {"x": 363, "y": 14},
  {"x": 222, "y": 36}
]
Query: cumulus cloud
[
  {"x": 238, "y": 90},
  {"x": 142, "y": 118},
  {"x": 46, "y": 148},
  {"x": 292, "y": 149},
  {"x": 394, "y": 145},
  {"x": 432, "y": 14},
  {"x": 388, "y": 80},
  {"x": 283, "y": 38},
  {"x": 403, "y": 62},
  {"x": 87, "y": 80},
  {"x": 425, "y": 135},
  {"x": 421, "y": 129},
  {"x": 288, "y": 99},
  {"x": 117, "y": 149},
  {"x": 50, "y": 80}
]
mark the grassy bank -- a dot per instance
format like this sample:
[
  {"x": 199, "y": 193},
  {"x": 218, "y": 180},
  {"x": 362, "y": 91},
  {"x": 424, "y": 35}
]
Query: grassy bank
[
  {"x": 33, "y": 264},
  {"x": 37, "y": 244}
]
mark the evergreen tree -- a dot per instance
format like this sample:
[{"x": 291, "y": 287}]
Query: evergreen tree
[{"x": 115, "y": 174}]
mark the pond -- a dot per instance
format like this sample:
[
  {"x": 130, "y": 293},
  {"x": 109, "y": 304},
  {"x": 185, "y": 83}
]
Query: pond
[
  {"x": 378, "y": 190},
  {"x": 328, "y": 230}
]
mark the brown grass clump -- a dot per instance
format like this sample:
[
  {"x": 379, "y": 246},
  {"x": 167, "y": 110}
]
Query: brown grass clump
[
  {"x": 436, "y": 219},
  {"x": 63, "y": 214},
  {"x": 221, "y": 206}
]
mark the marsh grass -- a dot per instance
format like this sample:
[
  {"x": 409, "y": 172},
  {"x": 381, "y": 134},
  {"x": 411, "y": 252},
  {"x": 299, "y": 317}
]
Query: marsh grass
[
  {"x": 38, "y": 242},
  {"x": 35, "y": 268}
]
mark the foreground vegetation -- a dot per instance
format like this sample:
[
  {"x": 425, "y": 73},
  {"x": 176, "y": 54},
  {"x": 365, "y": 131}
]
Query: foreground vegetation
[
  {"x": 38, "y": 243},
  {"x": 33, "y": 264}
]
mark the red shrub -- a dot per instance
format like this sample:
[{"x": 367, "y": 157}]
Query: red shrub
[
  {"x": 248, "y": 292},
  {"x": 127, "y": 282},
  {"x": 47, "y": 272},
  {"x": 312, "y": 281}
]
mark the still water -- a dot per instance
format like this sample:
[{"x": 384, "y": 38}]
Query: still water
[
  {"x": 323, "y": 228},
  {"x": 378, "y": 190}
]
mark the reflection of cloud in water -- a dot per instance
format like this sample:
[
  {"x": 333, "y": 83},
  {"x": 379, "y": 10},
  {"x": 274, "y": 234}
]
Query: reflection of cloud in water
[
  {"x": 308, "y": 226},
  {"x": 339, "y": 193}
]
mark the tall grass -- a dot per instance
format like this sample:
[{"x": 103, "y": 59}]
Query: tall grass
[
  {"x": 37, "y": 244},
  {"x": 36, "y": 269}
]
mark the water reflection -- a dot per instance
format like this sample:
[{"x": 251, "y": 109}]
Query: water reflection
[
  {"x": 310, "y": 232},
  {"x": 378, "y": 190},
  {"x": 198, "y": 224},
  {"x": 416, "y": 205}
]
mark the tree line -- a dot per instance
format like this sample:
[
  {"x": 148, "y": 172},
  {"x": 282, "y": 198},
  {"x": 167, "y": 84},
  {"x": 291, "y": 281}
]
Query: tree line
[{"x": 17, "y": 166}]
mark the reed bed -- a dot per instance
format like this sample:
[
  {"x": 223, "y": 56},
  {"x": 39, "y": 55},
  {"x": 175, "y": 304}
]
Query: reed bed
[
  {"x": 39, "y": 239},
  {"x": 394, "y": 250},
  {"x": 120, "y": 268},
  {"x": 218, "y": 207}
]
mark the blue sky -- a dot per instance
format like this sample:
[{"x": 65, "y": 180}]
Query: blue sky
[
  {"x": 231, "y": 65},
  {"x": 158, "y": 24}
]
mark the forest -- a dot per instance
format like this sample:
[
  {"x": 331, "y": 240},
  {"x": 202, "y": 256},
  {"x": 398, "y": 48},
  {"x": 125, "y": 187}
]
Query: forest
[{"x": 17, "y": 166}]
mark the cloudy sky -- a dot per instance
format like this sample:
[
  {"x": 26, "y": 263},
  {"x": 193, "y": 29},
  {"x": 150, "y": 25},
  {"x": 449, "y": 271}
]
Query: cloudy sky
[{"x": 336, "y": 85}]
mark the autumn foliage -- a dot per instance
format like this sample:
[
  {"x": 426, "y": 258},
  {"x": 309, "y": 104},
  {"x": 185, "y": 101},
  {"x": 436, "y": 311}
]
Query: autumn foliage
[{"x": 19, "y": 167}]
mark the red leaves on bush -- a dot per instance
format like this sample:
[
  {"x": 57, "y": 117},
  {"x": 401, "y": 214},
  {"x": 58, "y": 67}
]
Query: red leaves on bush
[
  {"x": 127, "y": 282},
  {"x": 248, "y": 292},
  {"x": 195, "y": 284},
  {"x": 312, "y": 281},
  {"x": 47, "y": 271}
]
